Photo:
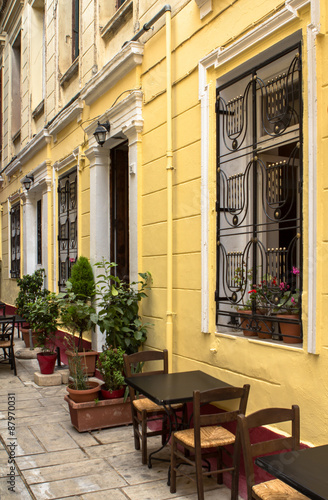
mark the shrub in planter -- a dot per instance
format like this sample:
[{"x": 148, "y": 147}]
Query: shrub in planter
[
  {"x": 80, "y": 388},
  {"x": 118, "y": 308},
  {"x": 110, "y": 364},
  {"x": 82, "y": 280},
  {"x": 31, "y": 287},
  {"x": 43, "y": 317}
]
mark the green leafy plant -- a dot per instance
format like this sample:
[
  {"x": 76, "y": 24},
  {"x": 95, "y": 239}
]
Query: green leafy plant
[
  {"x": 110, "y": 364},
  {"x": 43, "y": 316},
  {"x": 31, "y": 287},
  {"x": 82, "y": 280},
  {"x": 118, "y": 306},
  {"x": 76, "y": 314}
]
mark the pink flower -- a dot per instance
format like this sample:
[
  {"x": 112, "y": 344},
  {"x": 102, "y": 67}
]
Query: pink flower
[
  {"x": 293, "y": 300},
  {"x": 282, "y": 285},
  {"x": 296, "y": 270}
]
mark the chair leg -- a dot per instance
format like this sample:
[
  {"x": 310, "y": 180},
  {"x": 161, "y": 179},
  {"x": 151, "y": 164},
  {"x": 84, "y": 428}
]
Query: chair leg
[
  {"x": 199, "y": 475},
  {"x": 173, "y": 480},
  {"x": 135, "y": 428},
  {"x": 144, "y": 437}
]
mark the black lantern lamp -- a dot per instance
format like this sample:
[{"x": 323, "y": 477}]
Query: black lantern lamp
[
  {"x": 27, "y": 181},
  {"x": 101, "y": 132}
]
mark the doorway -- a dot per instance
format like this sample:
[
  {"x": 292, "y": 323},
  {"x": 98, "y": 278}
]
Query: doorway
[{"x": 119, "y": 210}]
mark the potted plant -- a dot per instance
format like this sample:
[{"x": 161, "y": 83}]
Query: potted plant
[
  {"x": 110, "y": 365},
  {"x": 31, "y": 286},
  {"x": 43, "y": 315},
  {"x": 288, "y": 309},
  {"x": 76, "y": 309},
  {"x": 92, "y": 413},
  {"x": 80, "y": 388},
  {"x": 76, "y": 316},
  {"x": 259, "y": 301},
  {"x": 118, "y": 308}
]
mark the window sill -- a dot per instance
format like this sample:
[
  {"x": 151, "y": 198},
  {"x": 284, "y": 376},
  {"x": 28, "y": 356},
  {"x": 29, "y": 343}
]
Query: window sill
[
  {"x": 70, "y": 73},
  {"x": 38, "y": 111},
  {"x": 256, "y": 340},
  {"x": 118, "y": 20}
]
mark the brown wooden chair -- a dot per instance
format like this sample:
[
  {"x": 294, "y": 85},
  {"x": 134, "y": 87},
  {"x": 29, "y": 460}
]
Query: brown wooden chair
[
  {"x": 7, "y": 325},
  {"x": 207, "y": 434},
  {"x": 274, "y": 488},
  {"x": 143, "y": 409}
]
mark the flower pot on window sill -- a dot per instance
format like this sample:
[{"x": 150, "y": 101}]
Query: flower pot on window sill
[
  {"x": 291, "y": 332},
  {"x": 245, "y": 323}
]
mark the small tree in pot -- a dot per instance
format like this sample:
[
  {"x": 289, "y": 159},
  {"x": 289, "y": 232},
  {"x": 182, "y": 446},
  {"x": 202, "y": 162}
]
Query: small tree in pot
[
  {"x": 31, "y": 287},
  {"x": 43, "y": 318}
]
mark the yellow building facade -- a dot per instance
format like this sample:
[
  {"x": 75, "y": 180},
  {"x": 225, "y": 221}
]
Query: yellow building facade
[{"x": 212, "y": 170}]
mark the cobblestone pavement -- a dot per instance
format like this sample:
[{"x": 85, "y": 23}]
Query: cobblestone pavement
[{"x": 53, "y": 460}]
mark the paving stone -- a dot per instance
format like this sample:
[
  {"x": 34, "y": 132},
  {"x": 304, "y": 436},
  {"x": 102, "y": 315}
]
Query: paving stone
[
  {"x": 54, "y": 458},
  {"x": 65, "y": 471},
  {"x": 78, "y": 485},
  {"x": 106, "y": 436},
  {"x": 111, "y": 450},
  {"x": 159, "y": 490},
  {"x": 27, "y": 443},
  {"x": 83, "y": 439},
  {"x": 20, "y": 493},
  {"x": 101, "y": 495},
  {"x": 53, "y": 437},
  {"x": 4, "y": 465}
]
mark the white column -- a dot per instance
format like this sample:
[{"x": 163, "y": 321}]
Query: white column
[
  {"x": 29, "y": 235},
  {"x": 99, "y": 216}
]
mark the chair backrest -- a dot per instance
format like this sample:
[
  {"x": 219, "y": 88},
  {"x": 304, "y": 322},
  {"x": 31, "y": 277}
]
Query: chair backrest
[
  {"x": 7, "y": 325},
  {"x": 200, "y": 399},
  {"x": 133, "y": 363},
  {"x": 267, "y": 416}
]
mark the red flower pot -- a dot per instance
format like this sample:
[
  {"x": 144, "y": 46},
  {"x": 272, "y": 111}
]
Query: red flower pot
[
  {"x": 118, "y": 393},
  {"x": 47, "y": 361}
]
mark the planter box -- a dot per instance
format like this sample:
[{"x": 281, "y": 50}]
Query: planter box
[{"x": 92, "y": 416}]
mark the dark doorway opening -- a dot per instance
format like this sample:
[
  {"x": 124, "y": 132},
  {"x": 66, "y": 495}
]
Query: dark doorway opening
[{"x": 119, "y": 210}]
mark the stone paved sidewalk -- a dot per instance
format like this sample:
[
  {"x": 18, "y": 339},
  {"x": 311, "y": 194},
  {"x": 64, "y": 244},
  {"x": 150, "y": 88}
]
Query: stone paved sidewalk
[{"x": 54, "y": 461}]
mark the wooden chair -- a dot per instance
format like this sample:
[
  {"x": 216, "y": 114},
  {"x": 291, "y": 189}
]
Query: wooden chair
[
  {"x": 274, "y": 488},
  {"x": 207, "y": 434},
  {"x": 143, "y": 409},
  {"x": 7, "y": 325}
]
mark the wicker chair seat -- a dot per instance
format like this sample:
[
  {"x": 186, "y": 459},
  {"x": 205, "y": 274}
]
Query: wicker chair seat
[
  {"x": 210, "y": 437},
  {"x": 277, "y": 490},
  {"x": 151, "y": 407},
  {"x": 5, "y": 343}
]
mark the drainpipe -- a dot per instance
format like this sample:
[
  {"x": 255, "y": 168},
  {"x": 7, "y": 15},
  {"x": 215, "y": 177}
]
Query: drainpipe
[{"x": 169, "y": 170}]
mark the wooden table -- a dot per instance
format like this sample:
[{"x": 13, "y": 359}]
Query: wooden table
[
  {"x": 305, "y": 470},
  {"x": 173, "y": 388}
]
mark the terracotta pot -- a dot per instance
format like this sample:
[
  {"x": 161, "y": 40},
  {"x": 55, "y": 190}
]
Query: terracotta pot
[
  {"x": 245, "y": 323},
  {"x": 26, "y": 337},
  {"x": 106, "y": 394},
  {"x": 89, "y": 360},
  {"x": 47, "y": 361},
  {"x": 99, "y": 415},
  {"x": 82, "y": 396},
  {"x": 291, "y": 332},
  {"x": 266, "y": 327}
]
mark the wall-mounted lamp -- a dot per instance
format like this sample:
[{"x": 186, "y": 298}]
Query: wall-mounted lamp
[
  {"x": 101, "y": 132},
  {"x": 27, "y": 181}
]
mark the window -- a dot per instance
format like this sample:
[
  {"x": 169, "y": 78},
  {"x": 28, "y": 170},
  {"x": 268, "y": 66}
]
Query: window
[
  {"x": 15, "y": 240},
  {"x": 75, "y": 29},
  {"x": 67, "y": 230},
  {"x": 15, "y": 88},
  {"x": 37, "y": 74},
  {"x": 259, "y": 196},
  {"x": 39, "y": 231}
]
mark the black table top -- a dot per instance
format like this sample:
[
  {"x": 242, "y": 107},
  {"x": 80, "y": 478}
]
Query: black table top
[
  {"x": 174, "y": 388},
  {"x": 305, "y": 470}
]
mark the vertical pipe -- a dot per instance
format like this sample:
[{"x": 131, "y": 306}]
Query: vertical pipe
[{"x": 169, "y": 170}]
